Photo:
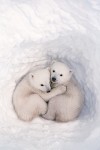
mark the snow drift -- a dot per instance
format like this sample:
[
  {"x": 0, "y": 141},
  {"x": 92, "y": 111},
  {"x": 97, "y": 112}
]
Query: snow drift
[{"x": 31, "y": 33}]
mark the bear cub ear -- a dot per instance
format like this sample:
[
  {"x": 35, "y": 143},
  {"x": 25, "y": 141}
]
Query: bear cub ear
[
  {"x": 53, "y": 61},
  {"x": 48, "y": 68}
]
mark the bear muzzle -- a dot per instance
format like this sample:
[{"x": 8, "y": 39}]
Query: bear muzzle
[{"x": 53, "y": 79}]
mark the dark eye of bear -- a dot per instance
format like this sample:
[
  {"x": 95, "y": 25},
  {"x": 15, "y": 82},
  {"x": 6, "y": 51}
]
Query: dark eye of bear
[
  {"x": 42, "y": 85},
  {"x": 61, "y": 74},
  {"x": 53, "y": 70}
]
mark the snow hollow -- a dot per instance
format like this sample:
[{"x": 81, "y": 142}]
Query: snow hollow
[{"x": 31, "y": 33}]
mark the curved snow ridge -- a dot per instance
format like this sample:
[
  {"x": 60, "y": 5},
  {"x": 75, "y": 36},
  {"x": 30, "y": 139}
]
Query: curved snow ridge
[
  {"x": 42, "y": 20},
  {"x": 31, "y": 33}
]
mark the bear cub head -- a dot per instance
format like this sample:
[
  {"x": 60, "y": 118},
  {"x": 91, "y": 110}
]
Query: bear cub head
[
  {"x": 40, "y": 79},
  {"x": 60, "y": 73}
]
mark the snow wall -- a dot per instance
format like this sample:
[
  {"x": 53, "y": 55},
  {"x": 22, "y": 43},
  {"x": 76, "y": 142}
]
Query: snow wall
[{"x": 31, "y": 33}]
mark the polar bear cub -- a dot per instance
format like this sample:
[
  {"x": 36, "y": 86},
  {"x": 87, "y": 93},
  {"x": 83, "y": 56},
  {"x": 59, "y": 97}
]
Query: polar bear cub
[
  {"x": 30, "y": 95},
  {"x": 67, "y": 106}
]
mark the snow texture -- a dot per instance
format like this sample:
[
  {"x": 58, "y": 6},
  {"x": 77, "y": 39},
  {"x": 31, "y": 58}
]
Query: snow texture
[{"x": 32, "y": 32}]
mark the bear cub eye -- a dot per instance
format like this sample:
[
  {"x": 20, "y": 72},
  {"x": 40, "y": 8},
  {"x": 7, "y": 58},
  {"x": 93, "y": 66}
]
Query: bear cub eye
[
  {"x": 61, "y": 74},
  {"x": 53, "y": 71},
  {"x": 42, "y": 85}
]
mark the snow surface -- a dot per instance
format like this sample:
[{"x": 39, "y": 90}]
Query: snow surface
[{"x": 31, "y": 33}]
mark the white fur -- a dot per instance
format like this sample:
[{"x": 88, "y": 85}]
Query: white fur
[
  {"x": 29, "y": 96},
  {"x": 67, "y": 106}
]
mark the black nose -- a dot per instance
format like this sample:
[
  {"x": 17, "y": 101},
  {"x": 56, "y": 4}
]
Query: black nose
[
  {"x": 48, "y": 91},
  {"x": 53, "y": 79}
]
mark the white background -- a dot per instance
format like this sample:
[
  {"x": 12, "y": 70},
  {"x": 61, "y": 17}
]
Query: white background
[{"x": 31, "y": 33}]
